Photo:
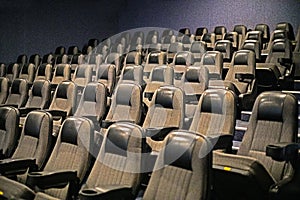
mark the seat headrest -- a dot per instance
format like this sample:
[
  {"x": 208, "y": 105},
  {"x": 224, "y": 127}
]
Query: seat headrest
[
  {"x": 270, "y": 107},
  {"x": 164, "y": 97},
  {"x": 192, "y": 75},
  {"x": 241, "y": 58},
  {"x": 123, "y": 94},
  {"x": 128, "y": 73},
  {"x": 37, "y": 88},
  {"x": 117, "y": 140},
  {"x": 33, "y": 124},
  {"x": 62, "y": 90},
  {"x": 240, "y": 29},
  {"x": 179, "y": 149},
  {"x": 198, "y": 46},
  {"x": 220, "y": 30},
  {"x": 209, "y": 59},
  {"x": 201, "y": 31},
  {"x": 131, "y": 58},
  {"x": 69, "y": 131},
  {"x": 221, "y": 46},
  {"x": 212, "y": 101},
  {"x": 183, "y": 58},
  {"x": 112, "y": 57},
  {"x": 279, "y": 34},
  {"x": 279, "y": 46},
  {"x": 206, "y": 37}
]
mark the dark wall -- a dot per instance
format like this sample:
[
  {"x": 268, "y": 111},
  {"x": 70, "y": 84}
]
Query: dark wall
[
  {"x": 210, "y": 13},
  {"x": 39, "y": 26}
]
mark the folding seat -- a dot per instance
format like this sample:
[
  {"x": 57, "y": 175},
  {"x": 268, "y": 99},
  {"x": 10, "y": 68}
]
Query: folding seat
[
  {"x": 215, "y": 117},
  {"x": 254, "y": 35},
  {"x": 106, "y": 74},
  {"x": 250, "y": 173},
  {"x": 61, "y": 73},
  {"x": 219, "y": 32},
  {"x": 66, "y": 168},
  {"x": 33, "y": 148},
  {"x": 254, "y": 46},
  {"x": 286, "y": 27},
  {"x": 72, "y": 50},
  {"x": 63, "y": 103},
  {"x": 241, "y": 74},
  {"x": 182, "y": 169},
  {"x": 4, "y": 88},
  {"x": 265, "y": 30},
  {"x": 115, "y": 59},
  {"x": 18, "y": 93},
  {"x": 198, "y": 48},
  {"x": 213, "y": 61},
  {"x": 233, "y": 38},
  {"x": 27, "y": 72},
  {"x": 155, "y": 47},
  {"x": 35, "y": 59},
  {"x": 2, "y": 70},
  {"x": 44, "y": 72},
  {"x": 165, "y": 113},
  {"x": 102, "y": 49},
  {"x": 126, "y": 105},
  {"x": 22, "y": 60},
  {"x": 161, "y": 75},
  {"x": 124, "y": 143},
  {"x": 124, "y": 39},
  {"x": 153, "y": 59},
  {"x": 181, "y": 61},
  {"x": 209, "y": 39},
  {"x": 195, "y": 82},
  {"x": 12, "y": 72},
  {"x": 133, "y": 74},
  {"x": 48, "y": 59},
  {"x": 200, "y": 32},
  {"x": 93, "y": 42},
  {"x": 93, "y": 103},
  {"x": 241, "y": 31},
  {"x": 9, "y": 128},
  {"x": 225, "y": 47},
  {"x": 82, "y": 76}
]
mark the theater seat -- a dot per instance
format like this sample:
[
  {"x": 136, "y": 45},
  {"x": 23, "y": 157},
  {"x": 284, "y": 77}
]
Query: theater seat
[
  {"x": 12, "y": 72},
  {"x": 61, "y": 73},
  {"x": 18, "y": 93},
  {"x": 198, "y": 48},
  {"x": 133, "y": 74},
  {"x": 123, "y": 143},
  {"x": 28, "y": 73},
  {"x": 213, "y": 61},
  {"x": 44, "y": 72},
  {"x": 181, "y": 61},
  {"x": 200, "y": 31},
  {"x": 153, "y": 59},
  {"x": 82, "y": 75},
  {"x": 106, "y": 74},
  {"x": 264, "y": 28},
  {"x": 182, "y": 169},
  {"x": 251, "y": 174},
  {"x": 4, "y": 88},
  {"x": 215, "y": 117}
]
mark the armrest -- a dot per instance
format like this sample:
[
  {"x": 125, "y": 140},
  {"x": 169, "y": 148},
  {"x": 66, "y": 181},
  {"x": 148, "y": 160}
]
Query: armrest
[
  {"x": 56, "y": 114},
  {"x": 24, "y": 111},
  {"x": 107, "y": 192},
  {"x": 159, "y": 133},
  {"x": 45, "y": 180},
  {"x": 106, "y": 123},
  {"x": 244, "y": 77},
  {"x": 17, "y": 166},
  {"x": 283, "y": 151}
]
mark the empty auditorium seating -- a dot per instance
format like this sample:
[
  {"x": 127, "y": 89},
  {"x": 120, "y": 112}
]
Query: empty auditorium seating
[
  {"x": 251, "y": 174},
  {"x": 115, "y": 59},
  {"x": 22, "y": 60},
  {"x": 233, "y": 38},
  {"x": 254, "y": 35},
  {"x": 133, "y": 74},
  {"x": 18, "y": 93},
  {"x": 254, "y": 46},
  {"x": 2, "y": 70},
  {"x": 181, "y": 61},
  {"x": 133, "y": 58},
  {"x": 82, "y": 76},
  {"x": 182, "y": 169},
  {"x": 172, "y": 50},
  {"x": 35, "y": 59},
  {"x": 210, "y": 40},
  {"x": 12, "y": 72},
  {"x": 286, "y": 27},
  {"x": 264, "y": 28},
  {"x": 225, "y": 47},
  {"x": 9, "y": 128}
]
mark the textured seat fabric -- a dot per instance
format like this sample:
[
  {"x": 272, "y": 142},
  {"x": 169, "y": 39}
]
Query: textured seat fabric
[
  {"x": 241, "y": 31},
  {"x": 106, "y": 74},
  {"x": 44, "y": 72},
  {"x": 9, "y": 129},
  {"x": 39, "y": 95},
  {"x": 215, "y": 116},
  {"x": 61, "y": 73},
  {"x": 225, "y": 47},
  {"x": 198, "y": 48},
  {"x": 4, "y": 88},
  {"x": 12, "y": 72},
  {"x": 119, "y": 163},
  {"x": 165, "y": 110},
  {"x": 153, "y": 59},
  {"x": 213, "y": 61},
  {"x": 18, "y": 93},
  {"x": 82, "y": 75},
  {"x": 181, "y": 61},
  {"x": 28, "y": 72},
  {"x": 132, "y": 73},
  {"x": 250, "y": 173},
  {"x": 182, "y": 169},
  {"x": 126, "y": 103}
]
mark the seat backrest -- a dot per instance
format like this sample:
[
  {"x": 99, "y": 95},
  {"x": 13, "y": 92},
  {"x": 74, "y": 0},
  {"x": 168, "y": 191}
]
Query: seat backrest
[
  {"x": 93, "y": 102},
  {"x": 48, "y": 59},
  {"x": 185, "y": 154},
  {"x": 82, "y": 75},
  {"x": 71, "y": 151},
  {"x": 12, "y": 71},
  {"x": 115, "y": 59},
  {"x": 44, "y": 72},
  {"x": 36, "y": 138},
  {"x": 215, "y": 114},
  {"x": 28, "y": 72},
  {"x": 65, "y": 97},
  {"x": 274, "y": 119},
  {"x": 154, "y": 59},
  {"x": 200, "y": 31},
  {"x": 22, "y": 60},
  {"x": 213, "y": 61},
  {"x": 264, "y": 28},
  {"x": 150, "y": 38},
  {"x": 243, "y": 61},
  {"x": 2, "y": 70},
  {"x": 106, "y": 74},
  {"x": 62, "y": 73},
  {"x": 241, "y": 30},
  {"x": 225, "y": 47},
  {"x": 255, "y": 35},
  {"x": 209, "y": 39},
  {"x": 198, "y": 48},
  {"x": 39, "y": 95},
  {"x": 220, "y": 31},
  {"x": 233, "y": 38},
  {"x": 18, "y": 93},
  {"x": 4, "y": 88},
  {"x": 72, "y": 50},
  {"x": 288, "y": 28},
  {"x": 133, "y": 58},
  {"x": 60, "y": 50},
  {"x": 123, "y": 143},
  {"x": 35, "y": 59},
  {"x": 126, "y": 103},
  {"x": 132, "y": 73},
  {"x": 9, "y": 129},
  {"x": 254, "y": 46}
]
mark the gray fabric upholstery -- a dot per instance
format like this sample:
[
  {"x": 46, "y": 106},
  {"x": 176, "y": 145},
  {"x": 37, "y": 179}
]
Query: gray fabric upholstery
[
  {"x": 198, "y": 48},
  {"x": 39, "y": 95},
  {"x": 44, "y": 72},
  {"x": 213, "y": 61},
  {"x": 132, "y": 73},
  {"x": 62, "y": 73},
  {"x": 153, "y": 59},
  {"x": 170, "y": 180},
  {"x": 82, "y": 75},
  {"x": 106, "y": 74},
  {"x": 18, "y": 93}
]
